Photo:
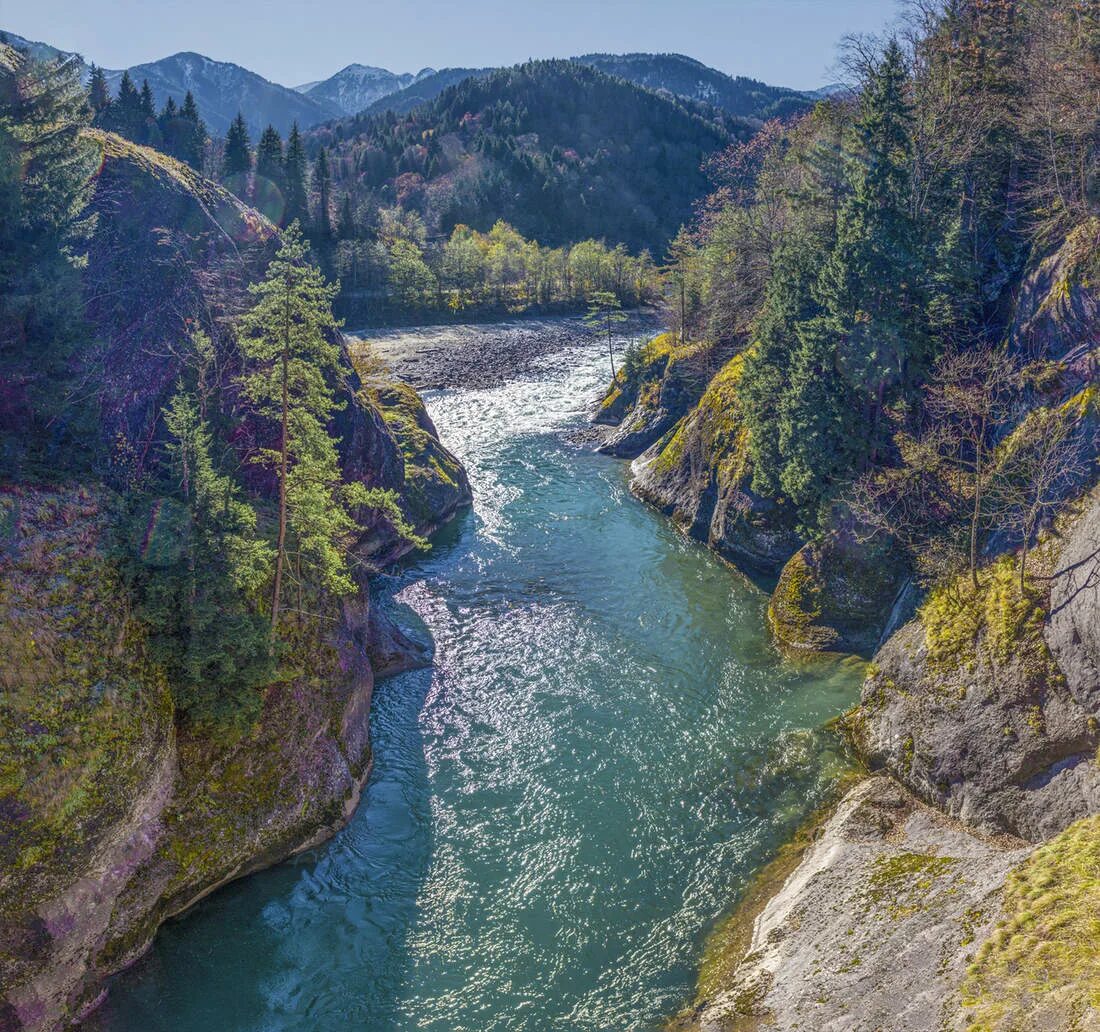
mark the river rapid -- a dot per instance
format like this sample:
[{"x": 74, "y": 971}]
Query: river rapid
[{"x": 560, "y": 809}]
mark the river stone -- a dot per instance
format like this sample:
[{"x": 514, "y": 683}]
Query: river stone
[{"x": 875, "y": 927}]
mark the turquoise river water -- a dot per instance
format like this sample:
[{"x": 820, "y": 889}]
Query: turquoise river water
[{"x": 606, "y": 748}]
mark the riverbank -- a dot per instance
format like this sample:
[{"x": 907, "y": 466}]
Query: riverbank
[
  {"x": 483, "y": 355},
  {"x": 600, "y": 755}
]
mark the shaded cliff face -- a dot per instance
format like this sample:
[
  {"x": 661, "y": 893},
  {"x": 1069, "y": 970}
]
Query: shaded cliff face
[
  {"x": 989, "y": 706},
  {"x": 117, "y": 814}
]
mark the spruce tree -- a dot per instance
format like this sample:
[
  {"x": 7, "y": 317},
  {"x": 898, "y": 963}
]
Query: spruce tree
[
  {"x": 292, "y": 356},
  {"x": 205, "y": 630},
  {"x": 269, "y": 156},
  {"x": 237, "y": 158},
  {"x": 872, "y": 285},
  {"x": 193, "y": 136},
  {"x": 296, "y": 172},
  {"x": 98, "y": 94},
  {"x": 46, "y": 172},
  {"x": 126, "y": 117},
  {"x": 347, "y": 230}
]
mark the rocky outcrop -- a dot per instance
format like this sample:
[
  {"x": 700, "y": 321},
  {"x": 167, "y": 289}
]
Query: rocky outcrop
[
  {"x": 836, "y": 595},
  {"x": 874, "y": 929},
  {"x": 698, "y": 473},
  {"x": 655, "y": 388},
  {"x": 116, "y": 812},
  {"x": 1057, "y": 312},
  {"x": 988, "y": 703}
]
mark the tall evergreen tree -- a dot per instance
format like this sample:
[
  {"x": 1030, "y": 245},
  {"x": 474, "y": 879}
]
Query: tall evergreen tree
[
  {"x": 872, "y": 286},
  {"x": 99, "y": 95},
  {"x": 125, "y": 112},
  {"x": 296, "y": 173},
  {"x": 45, "y": 183},
  {"x": 193, "y": 138},
  {"x": 237, "y": 158},
  {"x": 269, "y": 156}
]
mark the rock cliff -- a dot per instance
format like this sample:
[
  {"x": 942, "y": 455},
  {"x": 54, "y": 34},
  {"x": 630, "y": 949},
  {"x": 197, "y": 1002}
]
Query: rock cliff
[{"x": 117, "y": 813}]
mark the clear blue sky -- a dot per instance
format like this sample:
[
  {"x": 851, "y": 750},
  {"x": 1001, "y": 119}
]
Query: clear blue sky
[{"x": 785, "y": 42}]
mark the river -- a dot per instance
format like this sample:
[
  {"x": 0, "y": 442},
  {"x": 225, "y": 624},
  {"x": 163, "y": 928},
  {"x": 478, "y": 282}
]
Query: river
[{"x": 559, "y": 810}]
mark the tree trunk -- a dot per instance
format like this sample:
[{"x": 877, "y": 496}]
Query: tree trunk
[
  {"x": 975, "y": 517},
  {"x": 610, "y": 352},
  {"x": 280, "y": 548}
]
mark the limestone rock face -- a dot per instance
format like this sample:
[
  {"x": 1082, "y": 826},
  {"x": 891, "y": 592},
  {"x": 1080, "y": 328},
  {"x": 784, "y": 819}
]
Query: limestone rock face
[
  {"x": 875, "y": 927},
  {"x": 1058, "y": 307},
  {"x": 649, "y": 398},
  {"x": 1004, "y": 732}
]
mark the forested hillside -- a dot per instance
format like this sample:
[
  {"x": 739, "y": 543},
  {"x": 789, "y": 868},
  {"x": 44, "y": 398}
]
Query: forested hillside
[
  {"x": 195, "y": 487},
  {"x": 560, "y": 151},
  {"x": 685, "y": 77}
]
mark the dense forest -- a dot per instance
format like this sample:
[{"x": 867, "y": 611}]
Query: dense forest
[
  {"x": 866, "y": 258},
  {"x": 560, "y": 151}
]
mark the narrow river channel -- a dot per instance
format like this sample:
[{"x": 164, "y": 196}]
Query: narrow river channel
[{"x": 606, "y": 747}]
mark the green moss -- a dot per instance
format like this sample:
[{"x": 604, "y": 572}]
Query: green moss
[
  {"x": 713, "y": 429},
  {"x": 83, "y": 712},
  {"x": 1042, "y": 960},
  {"x": 995, "y": 622},
  {"x": 900, "y": 882}
]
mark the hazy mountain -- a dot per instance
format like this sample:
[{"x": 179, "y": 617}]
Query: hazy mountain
[
  {"x": 356, "y": 87},
  {"x": 424, "y": 89},
  {"x": 686, "y": 77},
  {"x": 669, "y": 73},
  {"x": 222, "y": 89}
]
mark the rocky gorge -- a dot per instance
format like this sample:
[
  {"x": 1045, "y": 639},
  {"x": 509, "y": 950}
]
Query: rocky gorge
[{"x": 945, "y": 890}]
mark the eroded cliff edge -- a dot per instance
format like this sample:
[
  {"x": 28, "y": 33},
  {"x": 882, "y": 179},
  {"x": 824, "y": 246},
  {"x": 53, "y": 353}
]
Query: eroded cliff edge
[{"x": 117, "y": 813}]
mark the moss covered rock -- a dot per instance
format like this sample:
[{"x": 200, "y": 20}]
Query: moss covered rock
[
  {"x": 697, "y": 473},
  {"x": 987, "y": 703},
  {"x": 655, "y": 390},
  {"x": 835, "y": 595}
]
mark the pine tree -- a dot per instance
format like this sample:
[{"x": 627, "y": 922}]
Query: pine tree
[
  {"x": 148, "y": 109},
  {"x": 237, "y": 158},
  {"x": 269, "y": 156},
  {"x": 45, "y": 183},
  {"x": 205, "y": 629},
  {"x": 296, "y": 172},
  {"x": 323, "y": 181},
  {"x": 192, "y": 139},
  {"x": 818, "y": 423},
  {"x": 288, "y": 341},
  {"x": 347, "y": 229},
  {"x": 98, "y": 94},
  {"x": 872, "y": 285},
  {"x": 126, "y": 116}
]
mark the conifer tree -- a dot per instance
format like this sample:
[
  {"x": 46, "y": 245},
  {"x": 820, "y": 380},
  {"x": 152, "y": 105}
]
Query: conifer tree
[
  {"x": 872, "y": 285},
  {"x": 269, "y": 156},
  {"x": 296, "y": 173},
  {"x": 206, "y": 631},
  {"x": 45, "y": 184},
  {"x": 193, "y": 138},
  {"x": 288, "y": 340},
  {"x": 347, "y": 229},
  {"x": 237, "y": 158},
  {"x": 98, "y": 95},
  {"x": 125, "y": 112}
]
